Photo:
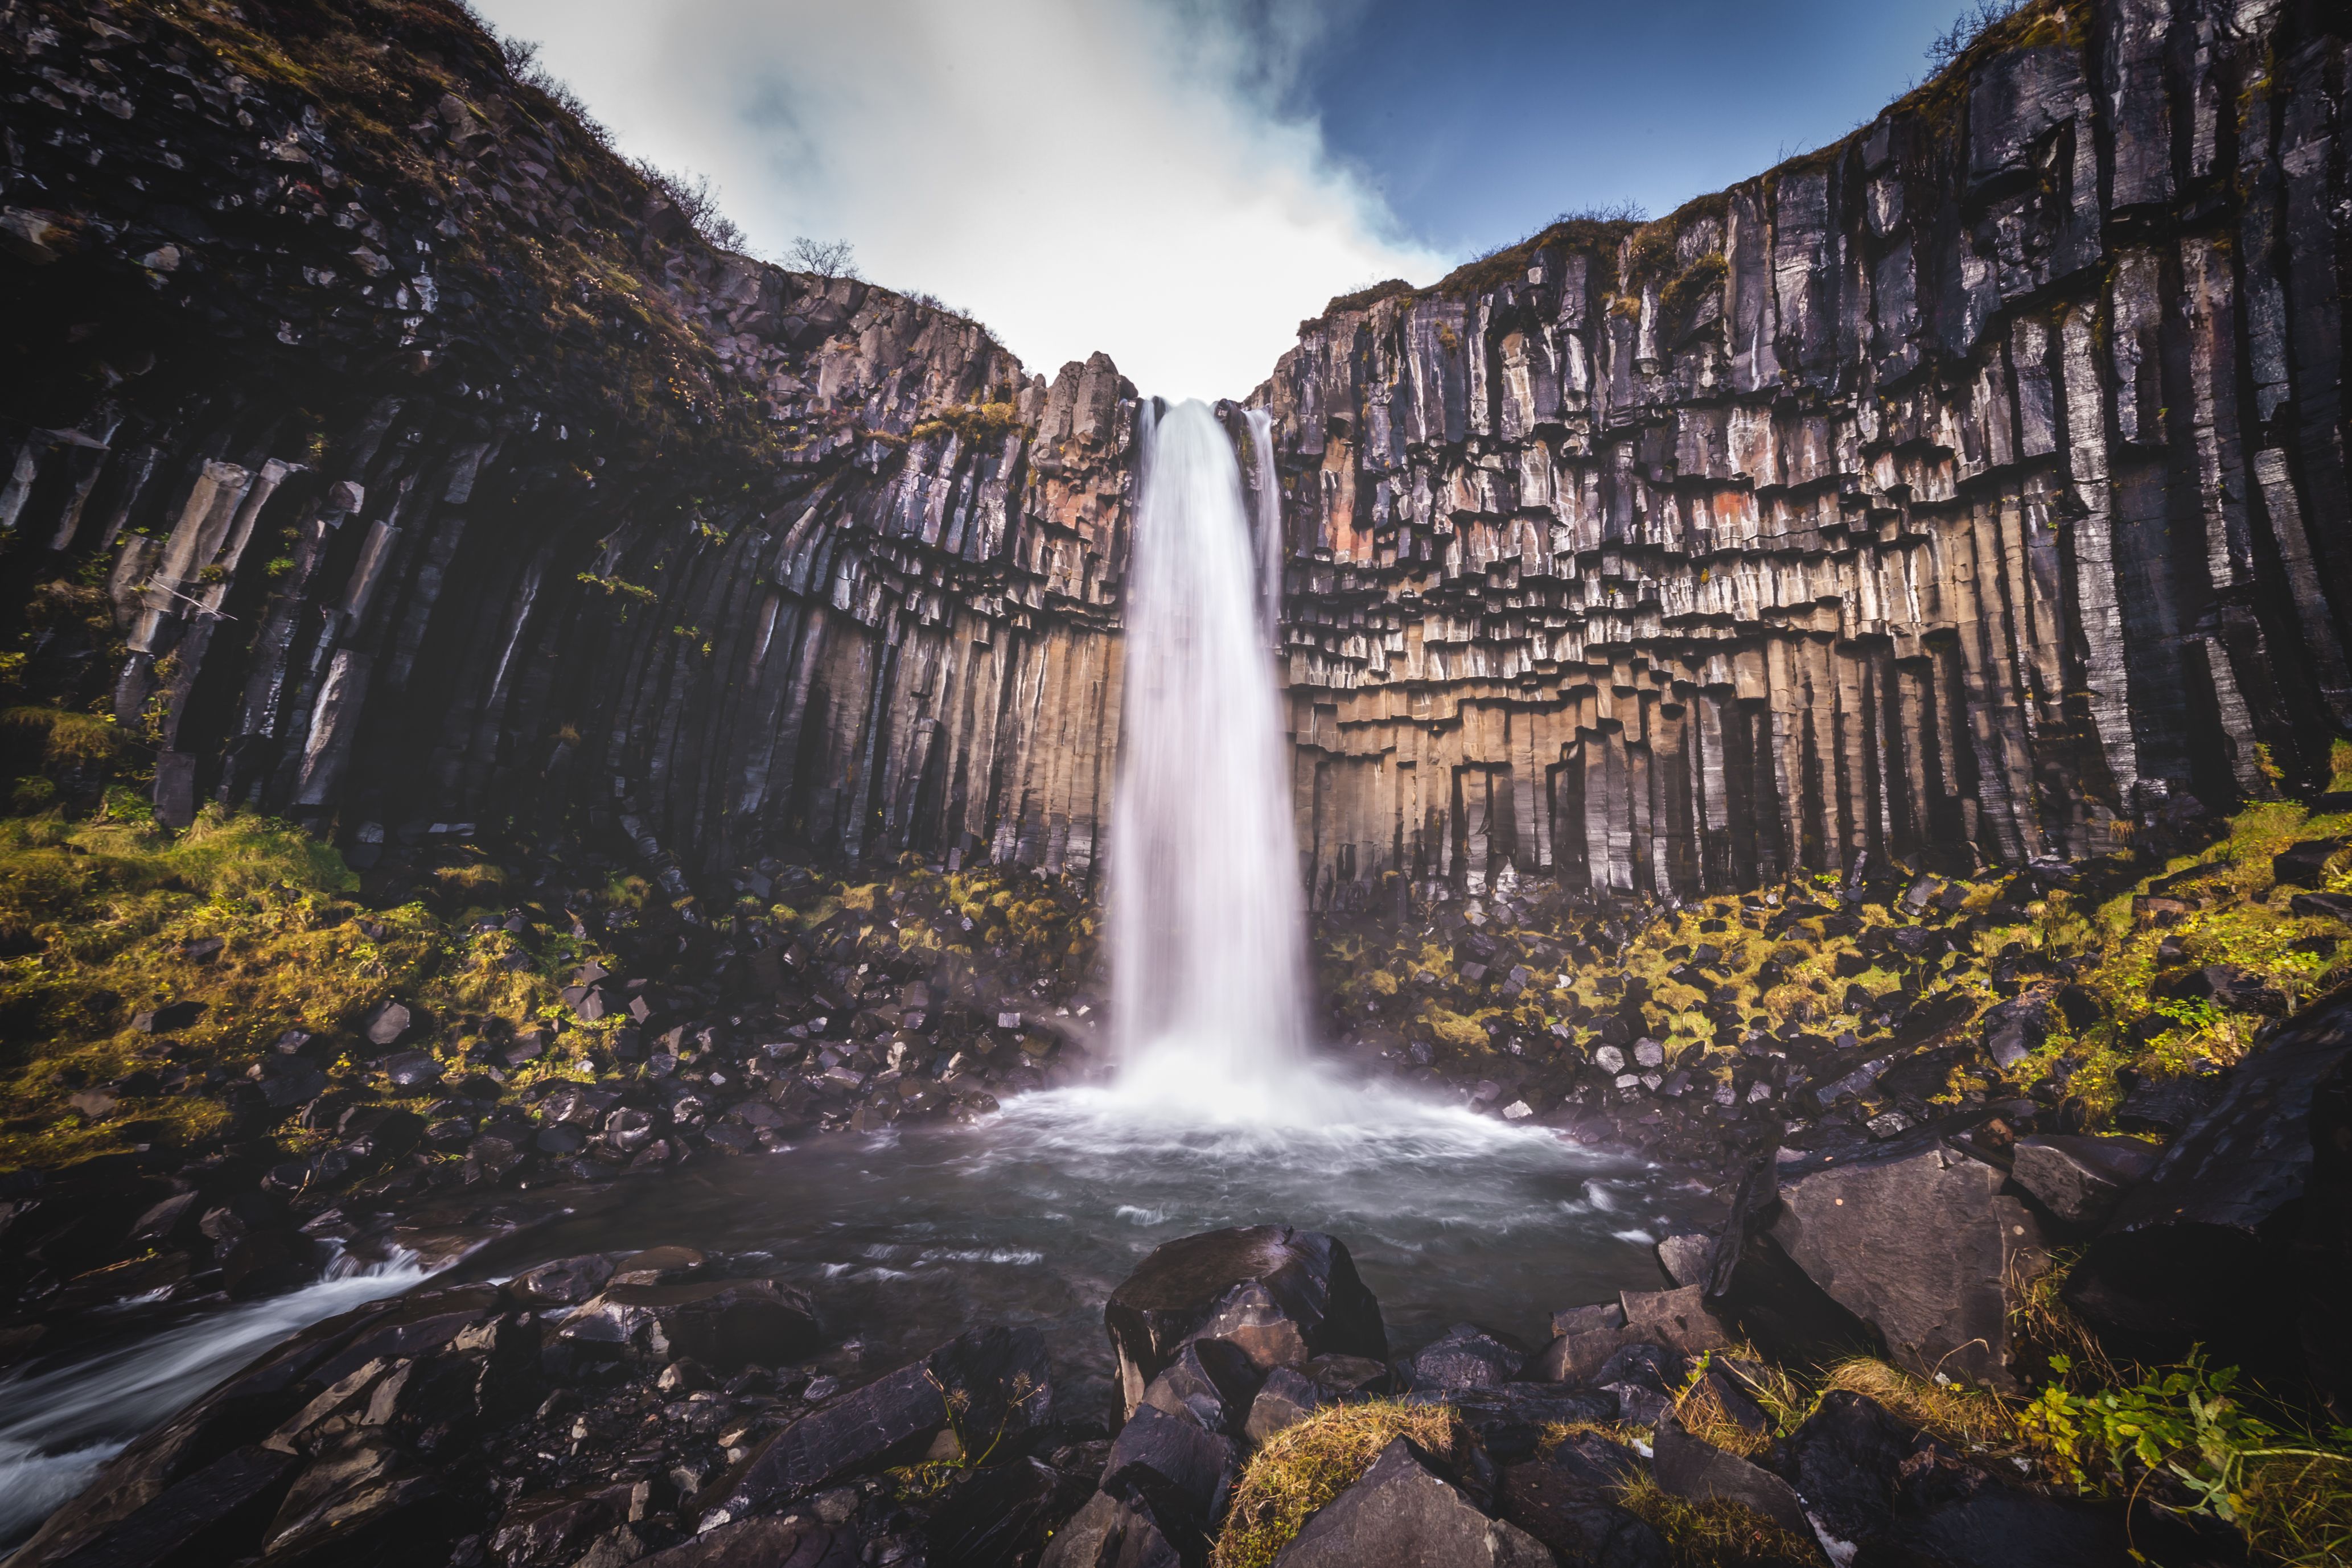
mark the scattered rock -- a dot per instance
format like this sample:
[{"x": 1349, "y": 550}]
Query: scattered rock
[{"x": 1281, "y": 1295}]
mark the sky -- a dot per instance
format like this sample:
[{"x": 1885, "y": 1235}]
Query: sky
[{"x": 1177, "y": 182}]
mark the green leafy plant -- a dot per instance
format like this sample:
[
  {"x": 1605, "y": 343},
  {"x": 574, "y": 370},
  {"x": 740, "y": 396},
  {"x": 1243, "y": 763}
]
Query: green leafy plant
[{"x": 2189, "y": 1431}]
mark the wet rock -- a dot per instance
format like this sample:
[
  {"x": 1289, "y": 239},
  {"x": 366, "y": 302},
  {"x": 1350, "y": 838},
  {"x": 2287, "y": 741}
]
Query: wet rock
[
  {"x": 1403, "y": 1514},
  {"x": 997, "y": 1377},
  {"x": 1467, "y": 1356},
  {"x": 797, "y": 1542},
  {"x": 1212, "y": 1383},
  {"x": 724, "y": 1324},
  {"x": 552, "y": 1530},
  {"x": 1158, "y": 1454},
  {"x": 1687, "y": 1468},
  {"x": 215, "y": 1513},
  {"x": 564, "y": 1282},
  {"x": 2080, "y": 1179},
  {"x": 1917, "y": 1240},
  {"x": 1286, "y": 1399},
  {"x": 362, "y": 1500},
  {"x": 1281, "y": 1295}
]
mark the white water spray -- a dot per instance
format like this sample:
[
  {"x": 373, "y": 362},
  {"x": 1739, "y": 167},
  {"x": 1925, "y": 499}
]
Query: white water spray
[
  {"x": 1269, "y": 518},
  {"x": 1206, "y": 919}
]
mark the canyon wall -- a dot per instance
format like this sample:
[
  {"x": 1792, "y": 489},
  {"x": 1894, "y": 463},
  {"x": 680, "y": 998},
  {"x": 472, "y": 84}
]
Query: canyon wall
[
  {"x": 1971, "y": 487},
  {"x": 385, "y": 452}
]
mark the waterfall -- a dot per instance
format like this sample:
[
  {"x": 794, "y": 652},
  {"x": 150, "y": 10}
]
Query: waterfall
[
  {"x": 1269, "y": 518},
  {"x": 1206, "y": 918}
]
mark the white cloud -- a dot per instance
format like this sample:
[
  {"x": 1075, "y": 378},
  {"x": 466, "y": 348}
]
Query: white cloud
[{"x": 1079, "y": 174}]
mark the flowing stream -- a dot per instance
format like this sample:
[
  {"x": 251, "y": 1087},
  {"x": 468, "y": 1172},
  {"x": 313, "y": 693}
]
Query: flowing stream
[{"x": 1221, "y": 1112}]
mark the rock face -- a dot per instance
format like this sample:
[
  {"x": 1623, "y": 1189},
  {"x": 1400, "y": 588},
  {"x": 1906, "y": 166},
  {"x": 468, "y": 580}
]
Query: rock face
[
  {"x": 1401, "y": 1514},
  {"x": 1968, "y": 483},
  {"x": 1278, "y": 1295},
  {"x": 1921, "y": 1245}
]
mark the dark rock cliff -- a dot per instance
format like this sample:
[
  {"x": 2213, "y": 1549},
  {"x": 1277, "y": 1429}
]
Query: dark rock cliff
[
  {"x": 391, "y": 451},
  {"x": 387, "y": 452},
  {"x": 1973, "y": 485}
]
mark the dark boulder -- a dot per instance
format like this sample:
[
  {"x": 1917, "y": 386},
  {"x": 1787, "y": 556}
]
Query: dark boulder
[
  {"x": 1124, "y": 1533},
  {"x": 2226, "y": 985},
  {"x": 2305, "y": 864},
  {"x": 1846, "y": 1461},
  {"x": 1212, "y": 1383},
  {"x": 1467, "y": 1356},
  {"x": 1281, "y": 1295},
  {"x": 996, "y": 1377},
  {"x": 364, "y": 1502},
  {"x": 1158, "y": 1454},
  {"x": 551, "y": 1530},
  {"x": 1513, "y": 1423},
  {"x": 1286, "y": 1398},
  {"x": 1698, "y": 1471},
  {"x": 1403, "y": 1514},
  {"x": 564, "y": 1282},
  {"x": 2237, "y": 1239},
  {"x": 2080, "y": 1179},
  {"x": 1568, "y": 1501},
  {"x": 723, "y": 1323},
  {"x": 1917, "y": 1240}
]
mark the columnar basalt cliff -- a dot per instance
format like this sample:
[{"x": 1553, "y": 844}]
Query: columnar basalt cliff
[
  {"x": 394, "y": 453},
  {"x": 1973, "y": 485},
  {"x": 387, "y": 452}
]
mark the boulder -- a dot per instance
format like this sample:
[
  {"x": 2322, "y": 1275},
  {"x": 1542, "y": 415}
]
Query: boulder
[
  {"x": 1281, "y": 1295},
  {"x": 551, "y": 1530},
  {"x": 564, "y": 1282},
  {"x": 1158, "y": 1454},
  {"x": 363, "y": 1501},
  {"x": 387, "y": 1024},
  {"x": 996, "y": 1376},
  {"x": 1403, "y": 1514},
  {"x": 1567, "y": 1499},
  {"x": 1684, "y": 1257},
  {"x": 2304, "y": 864},
  {"x": 1687, "y": 1468},
  {"x": 1584, "y": 1339},
  {"x": 1123, "y": 1533},
  {"x": 1286, "y": 1399},
  {"x": 1846, "y": 1461},
  {"x": 2078, "y": 1178},
  {"x": 1919, "y": 1242},
  {"x": 723, "y": 1323},
  {"x": 1514, "y": 1422},
  {"x": 1467, "y": 1356},
  {"x": 2237, "y": 1239},
  {"x": 1212, "y": 1383}
]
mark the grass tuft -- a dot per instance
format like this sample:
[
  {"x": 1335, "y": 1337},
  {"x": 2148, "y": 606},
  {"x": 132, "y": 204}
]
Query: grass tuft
[
  {"x": 1716, "y": 1534},
  {"x": 1301, "y": 1468}
]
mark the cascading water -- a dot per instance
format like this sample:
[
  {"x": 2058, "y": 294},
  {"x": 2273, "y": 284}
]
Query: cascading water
[
  {"x": 1206, "y": 920},
  {"x": 1269, "y": 496}
]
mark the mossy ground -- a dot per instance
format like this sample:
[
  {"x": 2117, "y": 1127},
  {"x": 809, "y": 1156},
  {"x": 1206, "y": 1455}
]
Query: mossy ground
[
  {"x": 112, "y": 918},
  {"x": 1302, "y": 1468},
  {"x": 1830, "y": 972}
]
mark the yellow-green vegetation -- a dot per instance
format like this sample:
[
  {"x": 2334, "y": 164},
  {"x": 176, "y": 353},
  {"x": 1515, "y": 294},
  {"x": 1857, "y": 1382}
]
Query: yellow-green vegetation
[
  {"x": 2184, "y": 1436},
  {"x": 1302, "y": 1468},
  {"x": 973, "y": 422},
  {"x": 1713, "y": 1533},
  {"x": 953, "y": 916},
  {"x": 107, "y": 919}
]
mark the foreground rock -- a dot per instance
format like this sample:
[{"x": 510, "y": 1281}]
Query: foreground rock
[
  {"x": 455, "y": 1426},
  {"x": 1277, "y": 1295},
  {"x": 1403, "y": 1512},
  {"x": 2241, "y": 1239}
]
